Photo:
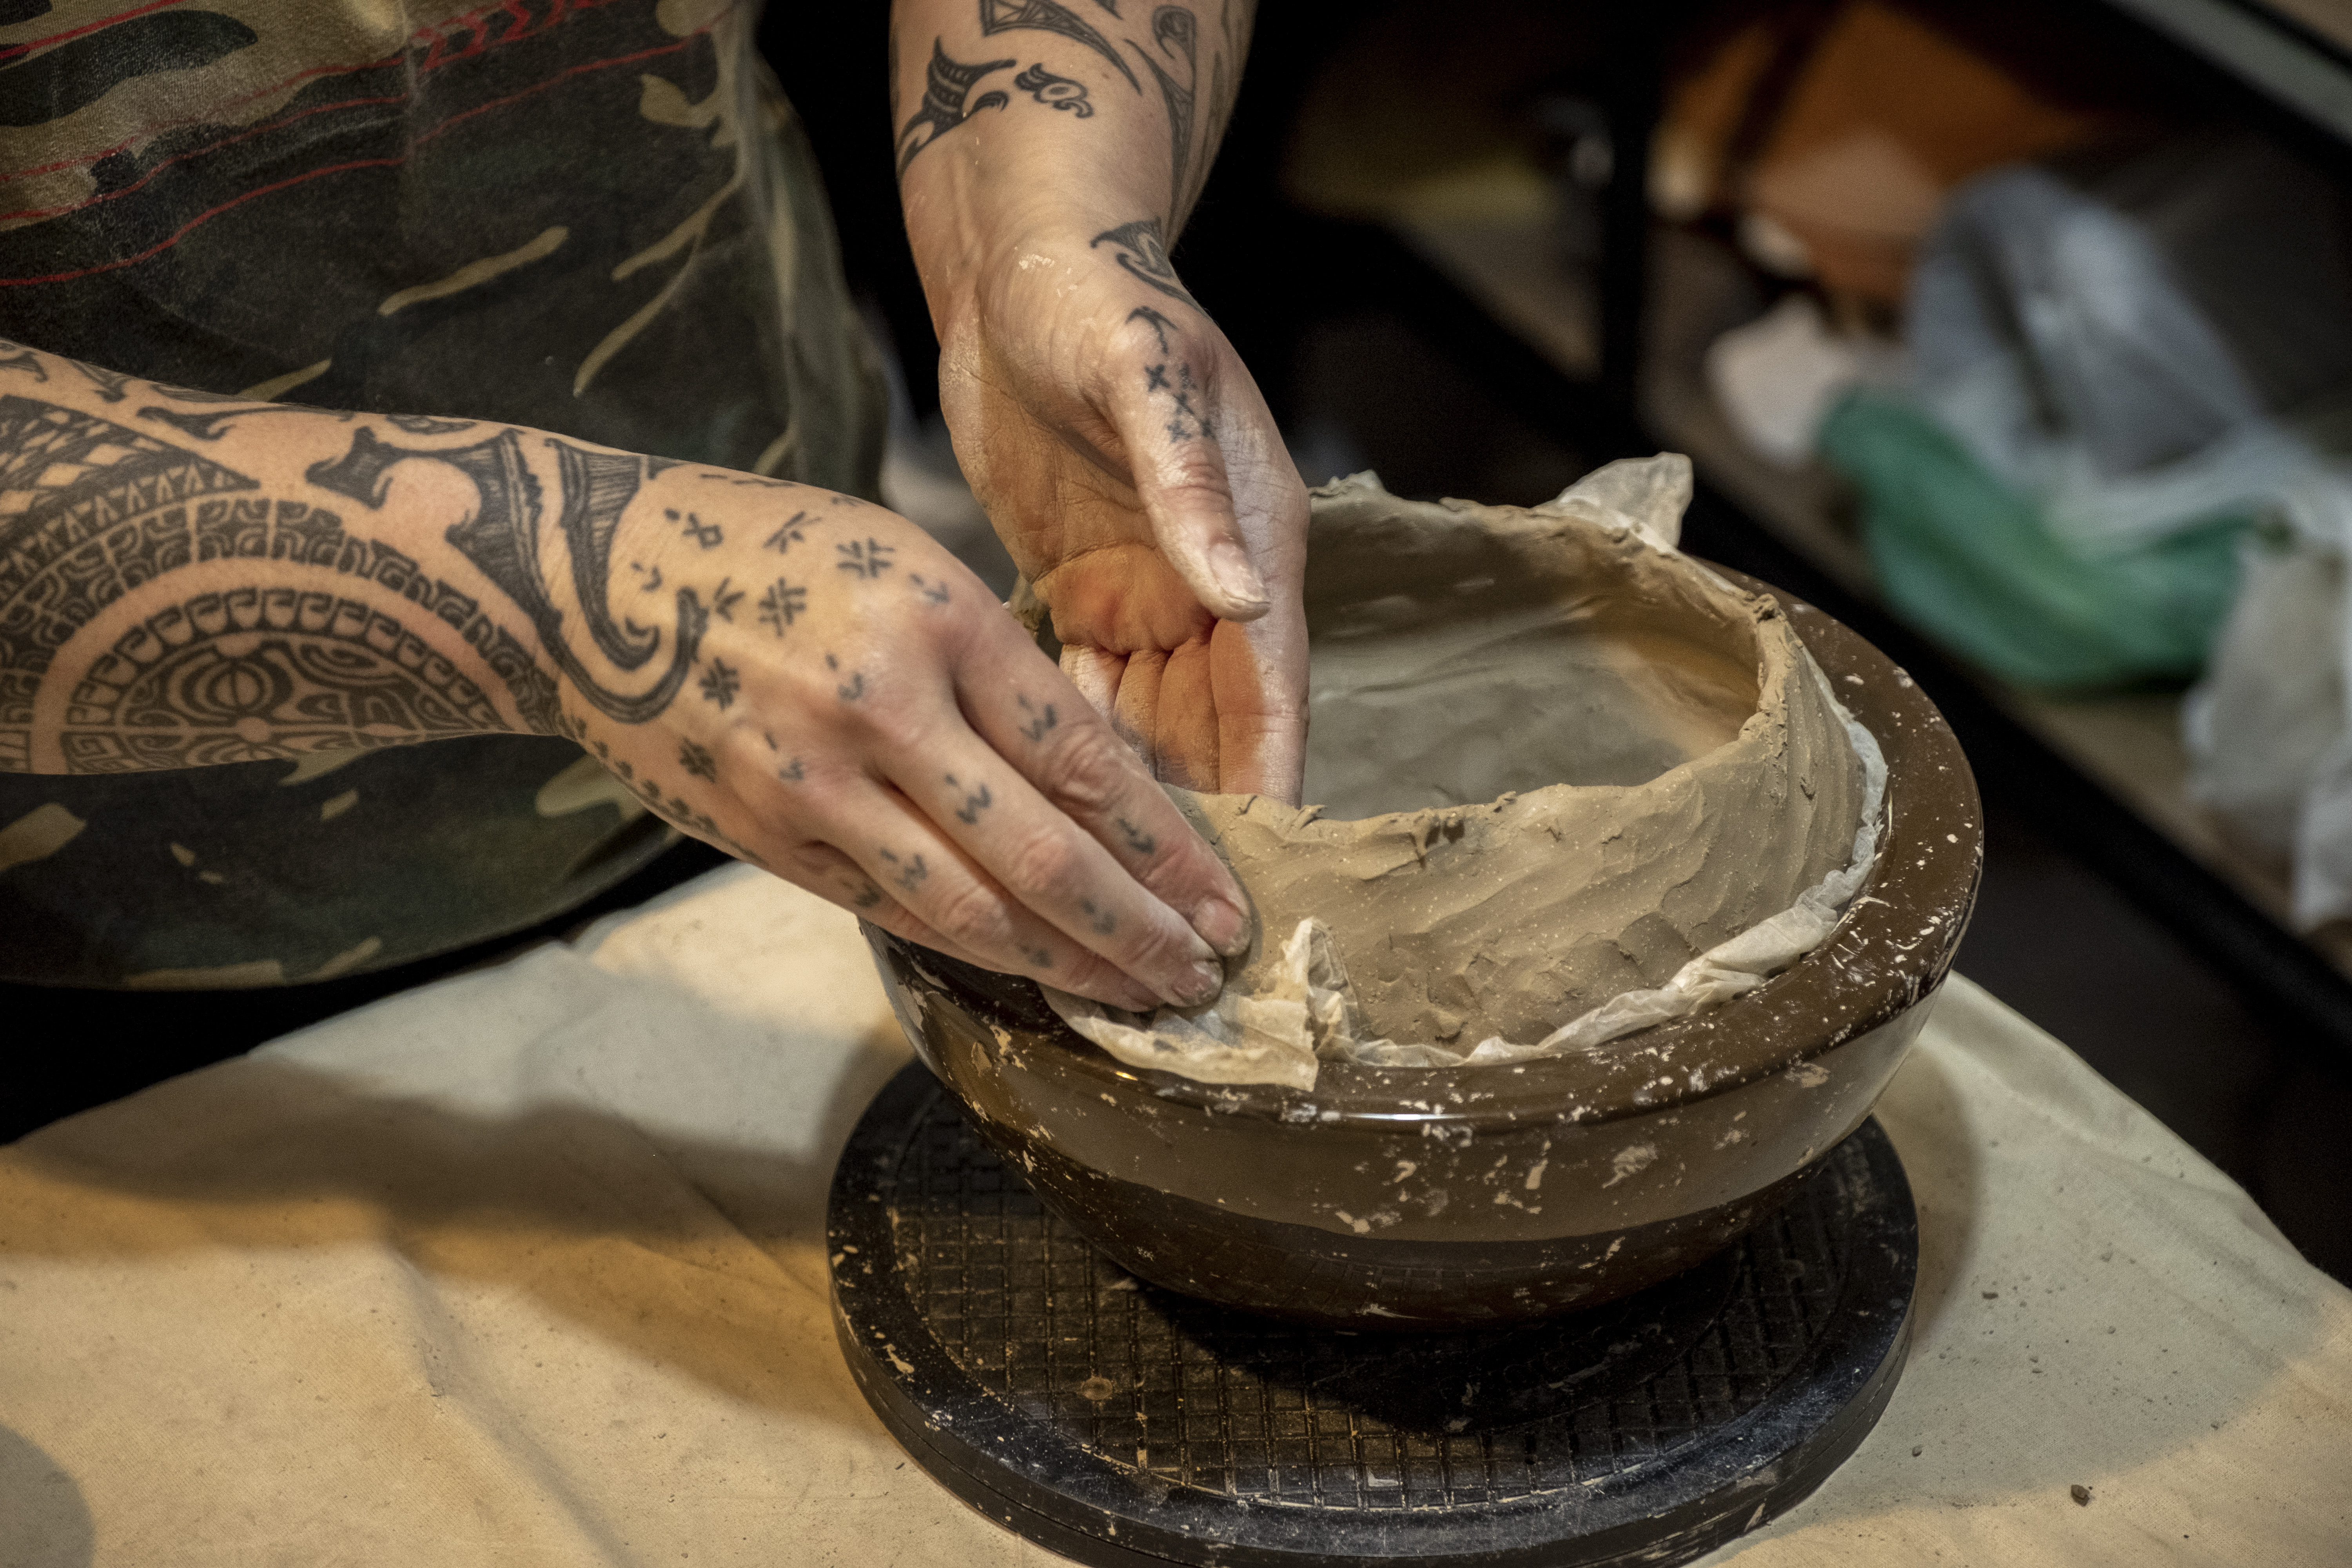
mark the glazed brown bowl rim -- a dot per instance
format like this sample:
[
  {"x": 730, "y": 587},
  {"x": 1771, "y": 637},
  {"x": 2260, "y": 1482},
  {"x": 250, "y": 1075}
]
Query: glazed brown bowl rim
[{"x": 1901, "y": 945}]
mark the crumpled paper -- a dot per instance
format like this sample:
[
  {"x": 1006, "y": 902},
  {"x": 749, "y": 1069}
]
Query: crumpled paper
[
  {"x": 1306, "y": 1015},
  {"x": 1274, "y": 1035}
]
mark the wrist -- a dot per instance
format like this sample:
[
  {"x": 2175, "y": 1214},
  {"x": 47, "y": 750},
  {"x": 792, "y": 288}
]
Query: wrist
[{"x": 968, "y": 229}]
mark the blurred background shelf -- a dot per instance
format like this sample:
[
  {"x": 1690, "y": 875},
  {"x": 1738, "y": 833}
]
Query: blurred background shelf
[
  {"x": 2295, "y": 52},
  {"x": 2127, "y": 744}
]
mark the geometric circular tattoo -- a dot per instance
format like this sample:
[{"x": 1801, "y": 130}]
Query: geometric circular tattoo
[
  {"x": 93, "y": 511},
  {"x": 256, "y": 675}
]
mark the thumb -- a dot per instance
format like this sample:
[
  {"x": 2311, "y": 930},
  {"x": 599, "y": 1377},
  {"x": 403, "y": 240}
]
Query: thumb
[{"x": 1164, "y": 422}]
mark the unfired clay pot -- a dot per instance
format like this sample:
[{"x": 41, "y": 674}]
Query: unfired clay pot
[{"x": 1412, "y": 1198}]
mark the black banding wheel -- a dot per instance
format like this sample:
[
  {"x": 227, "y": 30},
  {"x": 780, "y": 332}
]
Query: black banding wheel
[{"x": 1119, "y": 1424}]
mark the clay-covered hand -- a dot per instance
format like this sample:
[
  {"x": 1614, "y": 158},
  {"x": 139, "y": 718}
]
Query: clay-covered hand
[
  {"x": 850, "y": 706},
  {"x": 1127, "y": 458}
]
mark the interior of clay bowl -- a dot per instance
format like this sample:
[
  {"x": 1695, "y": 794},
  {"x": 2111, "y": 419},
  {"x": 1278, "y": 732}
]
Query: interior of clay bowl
[{"x": 1484, "y": 688}]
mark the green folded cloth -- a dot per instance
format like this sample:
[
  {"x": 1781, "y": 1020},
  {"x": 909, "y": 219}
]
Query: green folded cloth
[{"x": 1975, "y": 565}]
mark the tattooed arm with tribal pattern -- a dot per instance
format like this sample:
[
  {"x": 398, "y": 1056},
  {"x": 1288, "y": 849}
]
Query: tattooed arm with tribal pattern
[
  {"x": 798, "y": 676},
  {"x": 1048, "y": 153}
]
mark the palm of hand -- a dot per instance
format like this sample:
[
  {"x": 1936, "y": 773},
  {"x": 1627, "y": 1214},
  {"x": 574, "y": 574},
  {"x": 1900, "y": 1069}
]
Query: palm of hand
[{"x": 1137, "y": 481}]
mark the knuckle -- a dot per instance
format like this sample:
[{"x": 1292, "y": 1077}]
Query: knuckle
[
  {"x": 816, "y": 866},
  {"x": 1047, "y": 865},
  {"x": 1088, "y": 772},
  {"x": 1092, "y": 976},
  {"x": 878, "y": 724},
  {"x": 1192, "y": 482},
  {"x": 1154, "y": 947},
  {"x": 973, "y": 916}
]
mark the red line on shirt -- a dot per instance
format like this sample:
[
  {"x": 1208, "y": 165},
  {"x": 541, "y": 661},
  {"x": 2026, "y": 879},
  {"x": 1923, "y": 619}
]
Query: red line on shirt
[
  {"x": 393, "y": 162},
  {"x": 29, "y": 45},
  {"x": 35, "y": 214},
  {"x": 158, "y": 127},
  {"x": 203, "y": 217},
  {"x": 427, "y": 37},
  {"x": 581, "y": 69}
]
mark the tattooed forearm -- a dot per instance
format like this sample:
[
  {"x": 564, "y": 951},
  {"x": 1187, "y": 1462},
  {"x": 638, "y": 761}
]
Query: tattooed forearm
[
  {"x": 183, "y": 582},
  {"x": 1058, "y": 91},
  {"x": 346, "y": 658},
  {"x": 1172, "y": 35},
  {"x": 947, "y": 101},
  {"x": 501, "y": 537},
  {"x": 1191, "y": 56},
  {"x": 174, "y": 592},
  {"x": 1046, "y": 16}
]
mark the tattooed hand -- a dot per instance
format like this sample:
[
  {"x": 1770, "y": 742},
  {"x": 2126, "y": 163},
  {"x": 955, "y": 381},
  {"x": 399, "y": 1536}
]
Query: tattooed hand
[
  {"x": 1048, "y": 149},
  {"x": 1125, "y": 456},
  {"x": 859, "y": 715},
  {"x": 802, "y": 676}
]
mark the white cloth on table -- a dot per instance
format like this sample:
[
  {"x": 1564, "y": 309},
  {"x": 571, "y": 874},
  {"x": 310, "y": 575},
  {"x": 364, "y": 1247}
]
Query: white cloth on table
[{"x": 527, "y": 1267}]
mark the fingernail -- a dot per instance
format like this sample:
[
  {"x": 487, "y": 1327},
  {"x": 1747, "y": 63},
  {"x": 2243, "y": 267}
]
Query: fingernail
[
  {"x": 1200, "y": 984},
  {"x": 1139, "y": 1000},
  {"x": 1230, "y": 565},
  {"x": 1223, "y": 926}
]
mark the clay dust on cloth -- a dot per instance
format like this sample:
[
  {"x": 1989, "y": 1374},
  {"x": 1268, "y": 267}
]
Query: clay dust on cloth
[{"x": 1575, "y": 785}]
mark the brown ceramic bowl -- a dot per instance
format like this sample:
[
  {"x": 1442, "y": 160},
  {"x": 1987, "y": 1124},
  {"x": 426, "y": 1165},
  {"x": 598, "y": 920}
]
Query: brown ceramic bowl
[{"x": 1408, "y": 1198}]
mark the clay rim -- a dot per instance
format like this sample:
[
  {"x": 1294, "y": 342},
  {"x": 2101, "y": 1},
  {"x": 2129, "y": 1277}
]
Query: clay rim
[{"x": 1890, "y": 951}]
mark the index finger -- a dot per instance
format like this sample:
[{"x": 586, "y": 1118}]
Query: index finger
[{"x": 1031, "y": 714}]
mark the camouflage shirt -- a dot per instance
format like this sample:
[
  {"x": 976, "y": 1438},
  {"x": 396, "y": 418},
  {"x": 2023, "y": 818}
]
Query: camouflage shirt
[{"x": 593, "y": 217}]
